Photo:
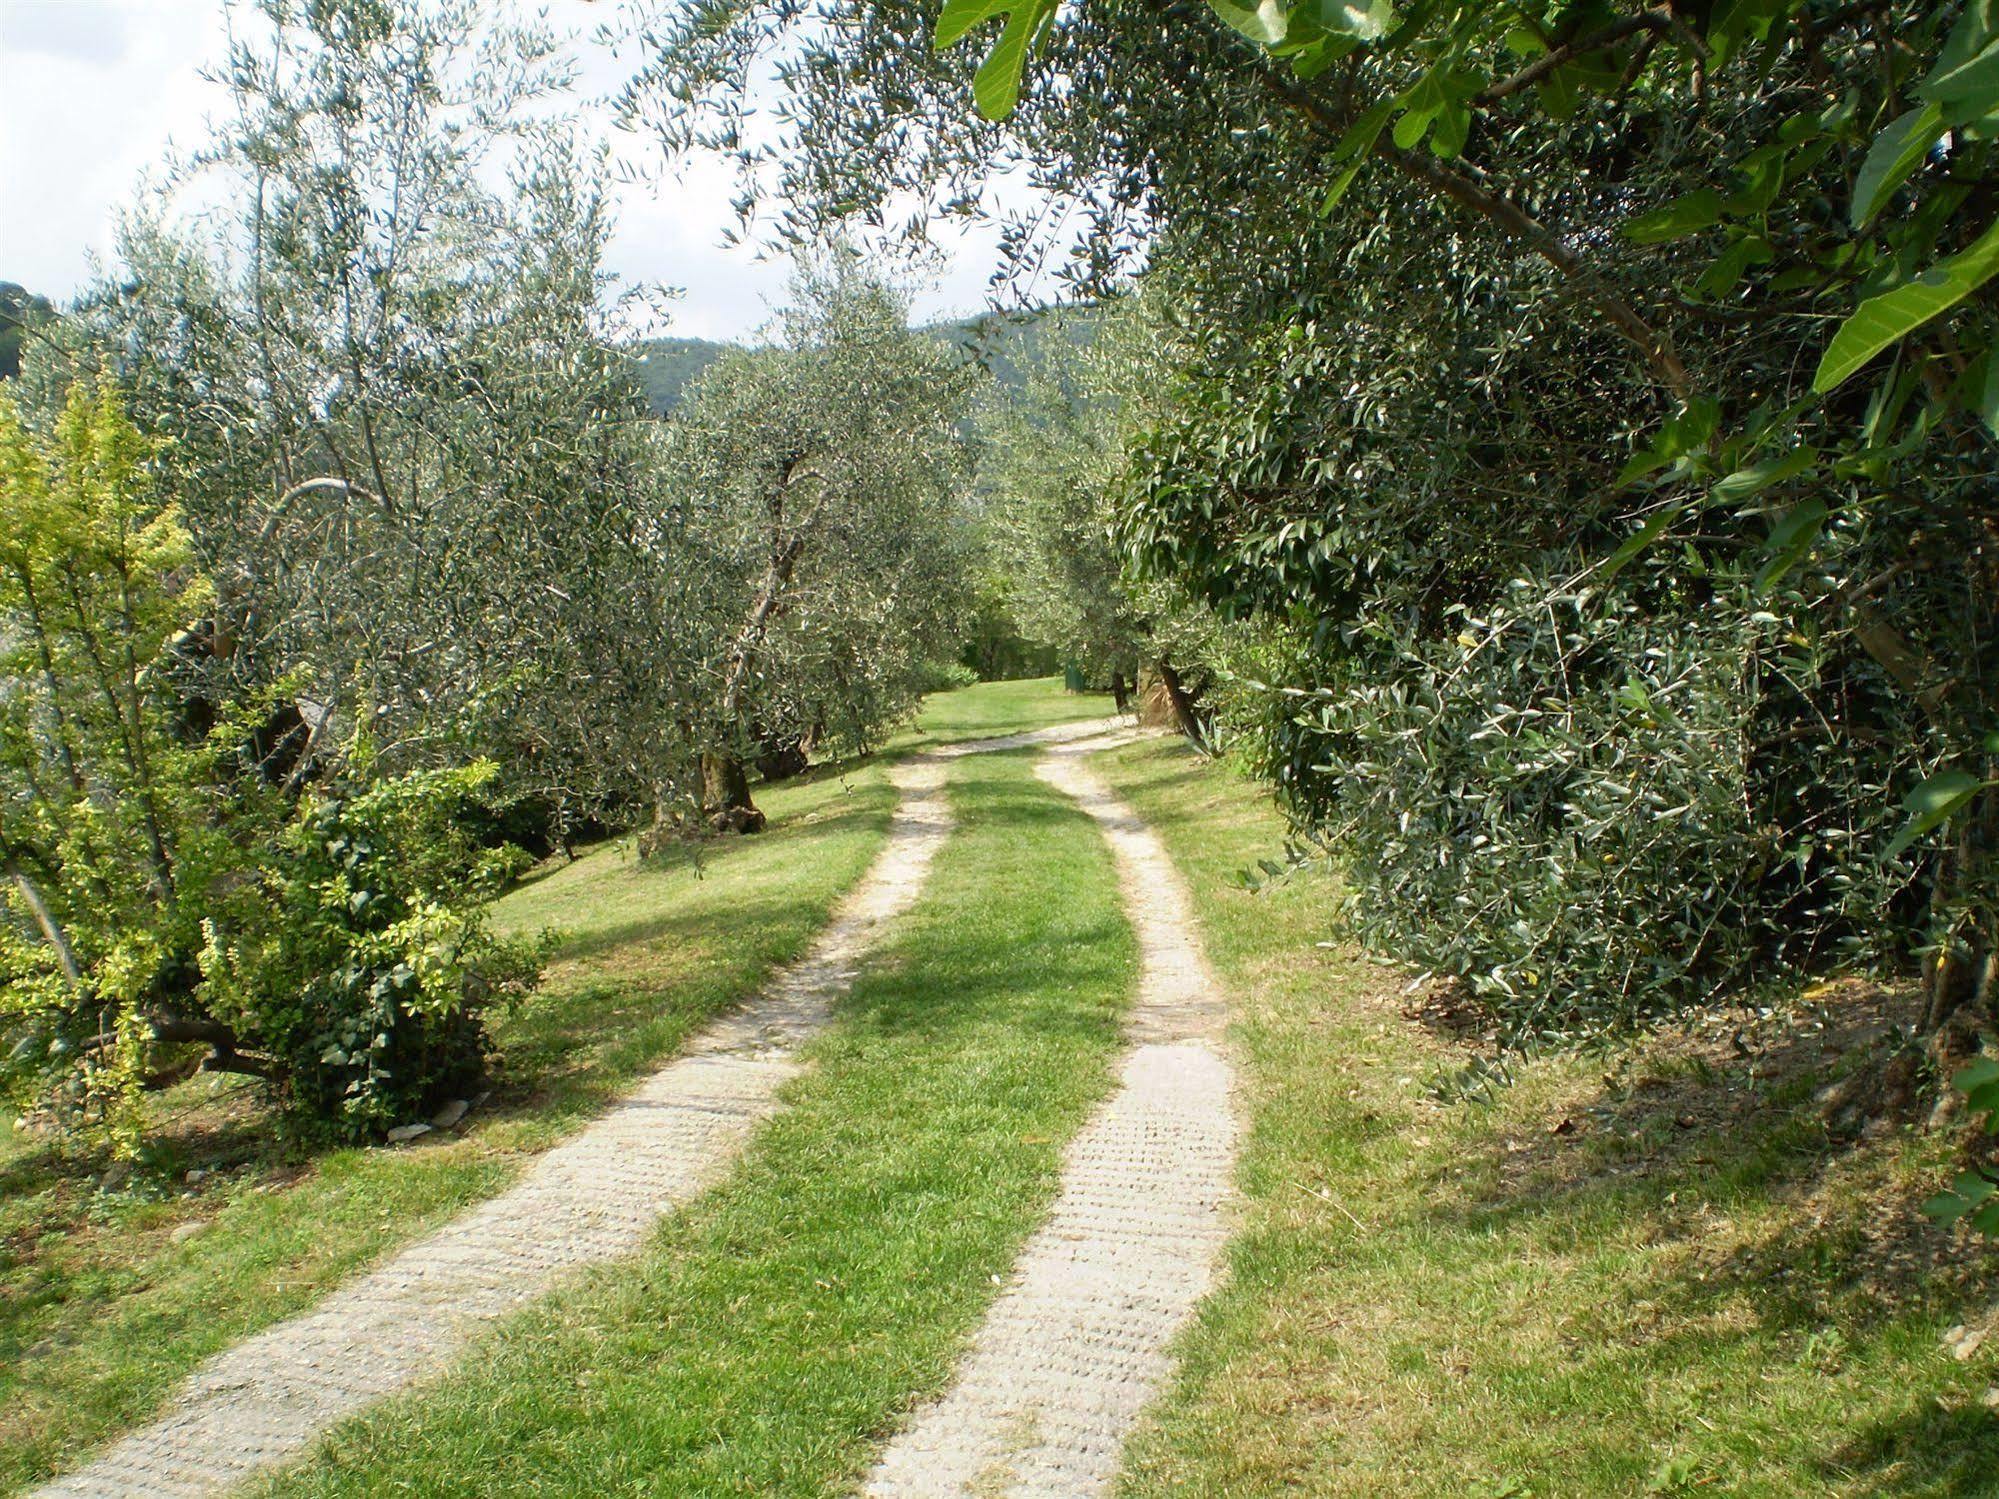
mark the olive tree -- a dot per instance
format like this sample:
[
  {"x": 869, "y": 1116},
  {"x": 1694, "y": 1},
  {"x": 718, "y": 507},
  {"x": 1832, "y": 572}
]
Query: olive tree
[
  {"x": 405, "y": 440},
  {"x": 821, "y": 477},
  {"x": 1051, "y": 464},
  {"x": 1532, "y": 348}
]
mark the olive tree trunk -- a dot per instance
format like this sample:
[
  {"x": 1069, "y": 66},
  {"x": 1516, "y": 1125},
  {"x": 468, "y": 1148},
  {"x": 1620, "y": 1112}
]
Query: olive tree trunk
[
  {"x": 1120, "y": 692},
  {"x": 1179, "y": 702},
  {"x": 725, "y": 796}
]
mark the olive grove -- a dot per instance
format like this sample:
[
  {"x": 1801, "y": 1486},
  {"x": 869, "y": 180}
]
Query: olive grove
[
  {"x": 347, "y": 568},
  {"x": 823, "y": 478},
  {"x": 1554, "y": 443},
  {"x": 1051, "y": 453},
  {"x": 1581, "y": 430}
]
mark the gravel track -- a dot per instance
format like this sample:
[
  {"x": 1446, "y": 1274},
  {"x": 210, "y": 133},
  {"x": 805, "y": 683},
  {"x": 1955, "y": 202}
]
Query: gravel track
[
  {"x": 594, "y": 1197},
  {"x": 1076, "y": 1345}
]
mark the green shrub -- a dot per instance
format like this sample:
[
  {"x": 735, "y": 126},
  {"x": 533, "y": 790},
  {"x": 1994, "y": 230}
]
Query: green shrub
[
  {"x": 945, "y": 676},
  {"x": 361, "y": 963},
  {"x": 1578, "y": 805},
  {"x": 171, "y": 902}
]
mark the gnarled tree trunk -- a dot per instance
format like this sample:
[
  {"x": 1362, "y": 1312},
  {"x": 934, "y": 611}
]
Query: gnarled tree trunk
[
  {"x": 1180, "y": 702},
  {"x": 1120, "y": 692},
  {"x": 1963, "y": 974},
  {"x": 725, "y": 796},
  {"x": 725, "y": 785},
  {"x": 781, "y": 758}
]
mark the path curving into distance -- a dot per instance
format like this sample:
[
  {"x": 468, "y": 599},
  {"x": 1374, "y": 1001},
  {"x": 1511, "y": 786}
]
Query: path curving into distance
[
  {"x": 1076, "y": 1345},
  {"x": 592, "y": 1198}
]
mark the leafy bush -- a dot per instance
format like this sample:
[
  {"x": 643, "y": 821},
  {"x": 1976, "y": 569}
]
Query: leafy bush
[
  {"x": 944, "y": 676},
  {"x": 349, "y": 968},
  {"x": 172, "y": 899},
  {"x": 1588, "y": 811}
]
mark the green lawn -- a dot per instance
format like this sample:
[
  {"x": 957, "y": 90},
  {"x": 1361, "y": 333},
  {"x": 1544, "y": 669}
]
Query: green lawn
[
  {"x": 1655, "y": 1277},
  {"x": 1004, "y": 708},
  {"x": 1647, "y": 1272},
  {"x": 101, "y": 1312},
  {"x": 777, "y": 1327}
]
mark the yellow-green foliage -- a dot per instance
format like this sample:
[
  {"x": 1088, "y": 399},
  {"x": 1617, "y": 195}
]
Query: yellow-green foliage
[
  {"x": 95, "y": 578},
  {"x": 164, "y": 892}
]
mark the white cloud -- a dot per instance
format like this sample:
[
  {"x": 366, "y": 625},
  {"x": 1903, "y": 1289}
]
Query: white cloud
[
  {"x": 92, "y": 92},
  {"x": 90, "y": 32}
]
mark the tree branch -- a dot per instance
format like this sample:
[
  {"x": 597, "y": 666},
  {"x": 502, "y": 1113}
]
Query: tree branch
[
  {"x": 1651, "y": 20},
  {"x": 1516, "y": 223},
  {"x": 176, "y": 1029},
  {"x": 52, "y": 930},
  {"x": 223, "y": 1059}
]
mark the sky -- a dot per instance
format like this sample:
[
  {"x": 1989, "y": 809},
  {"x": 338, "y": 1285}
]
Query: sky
[{"x": 93, "y": 92}]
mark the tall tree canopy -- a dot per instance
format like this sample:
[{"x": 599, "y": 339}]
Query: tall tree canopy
[
  {"x": 1567, "y": 388},
  {"x": 824, "y": 476},
  {"x": 1050, "y": 470},
  {"x": 406, "y": 444}
]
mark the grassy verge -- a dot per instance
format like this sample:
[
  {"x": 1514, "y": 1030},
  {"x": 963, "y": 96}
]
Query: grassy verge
[
  {"x": 1004, "y": 708},
  {"x": 101, "y": 1310},
  {"x": 776, "y": 1328},
  {"x": 1661, "y": 1275}
]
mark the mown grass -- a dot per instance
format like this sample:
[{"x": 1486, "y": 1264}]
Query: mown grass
[
  {"x": 1659, "y": 1273},
  {"x": 1662, "y": 1276},
  {"x": 776, "y": 1329},
  {"x": 101, "y": 1311},
  {"x": 1003, "y": 708}
]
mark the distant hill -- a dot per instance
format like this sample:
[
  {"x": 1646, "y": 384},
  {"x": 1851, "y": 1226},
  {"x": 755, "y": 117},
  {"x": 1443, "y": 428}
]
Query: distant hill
[
  {"x": 18, "y": 308},
  {"x": 668, "y": 365},
  {"x": 1007, "y": 343}
]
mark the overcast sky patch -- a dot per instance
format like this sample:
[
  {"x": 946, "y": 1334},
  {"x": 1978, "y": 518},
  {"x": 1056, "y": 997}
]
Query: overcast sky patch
[{"x": 93, "y": 91}]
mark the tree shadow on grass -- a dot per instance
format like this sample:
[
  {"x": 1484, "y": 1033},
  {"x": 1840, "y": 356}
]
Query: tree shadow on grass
[
  {"x": 1760, "y": 1225},
  {"x": 1729, "y": 1109},
  {"x": 1862, "y": 1253},
  {"x": 583, "y": 1044},
  {"x": 1924, "y": 1451},
  {"x": 696, "y": 930},
  {"x": 987, "y": 986},
  {"x": 700, "y": 856},
  {"x": 219, "y": 1134},
  {"x": 557, "y": 1032},
  {"x": 579, "y": 1041},
  {"x": 1023, "y": 812}
]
